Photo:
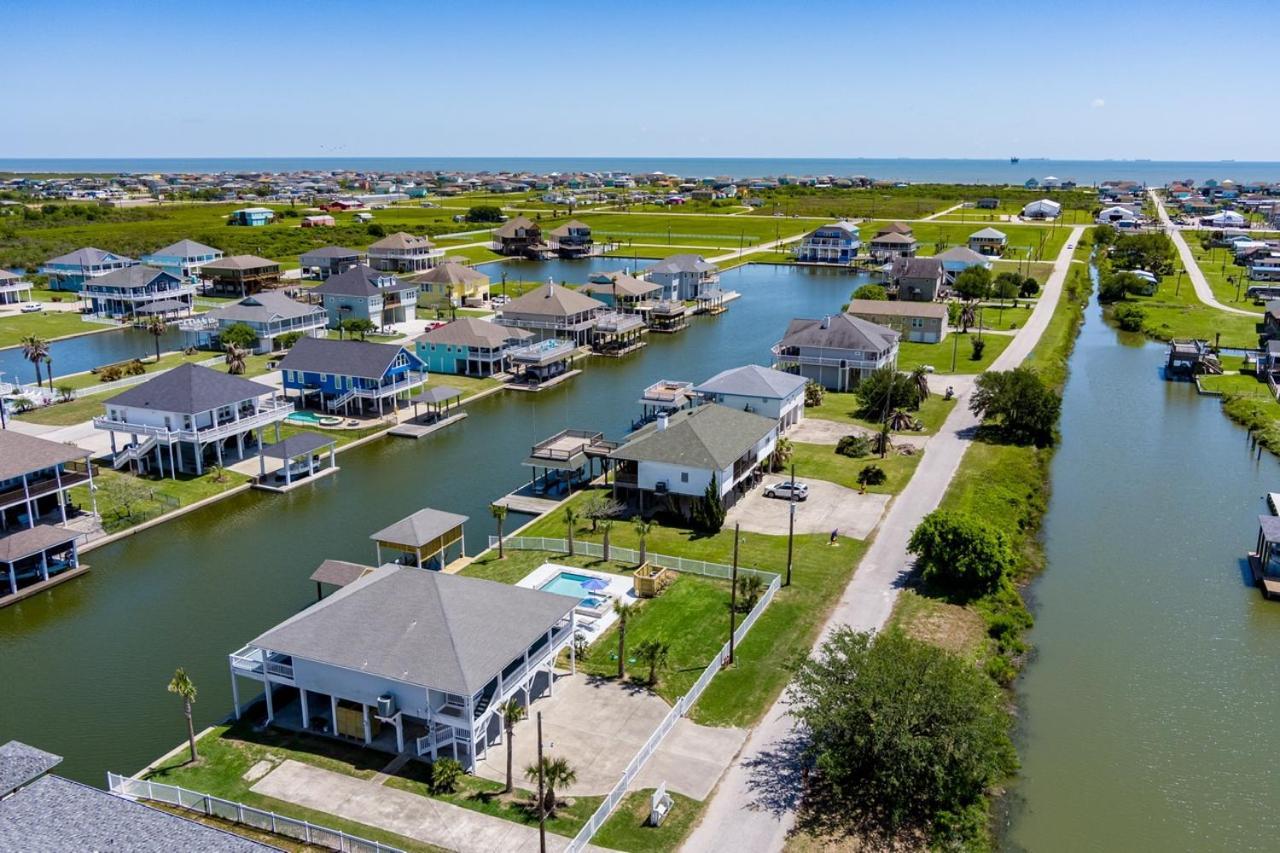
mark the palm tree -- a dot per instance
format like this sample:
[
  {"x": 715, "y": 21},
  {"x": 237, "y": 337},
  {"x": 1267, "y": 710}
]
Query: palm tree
[
  {"x": 606, "y": 524},
  {"x": 623, "y": 609},
  {"x": 156, "y": 326},
  {"x": 782, "y": 452},
  {"x": 182, "y": 685},
  {"x": 34, "y": 350},
  {"x": 968, "y": 316},
  {"x": 643, "y": 529},
  {"x": 570, "y": 519},
  {"x": 749, "y": 587},
  {"x": 236, "y": 356},
  {"x": 556, "y": 773},
  {"x": 900, "y": 420},
  {"x": 512, "y": 712},
  {"x": 48, "y": 370},
  {"x": 655, "y": 653},
  {"x": 920, "y": 379},
  {"x": 499, "y": 512}
]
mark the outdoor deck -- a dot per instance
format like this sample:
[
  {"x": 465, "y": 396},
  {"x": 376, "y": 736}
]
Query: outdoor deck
[{"x": 1269, "y": 586}]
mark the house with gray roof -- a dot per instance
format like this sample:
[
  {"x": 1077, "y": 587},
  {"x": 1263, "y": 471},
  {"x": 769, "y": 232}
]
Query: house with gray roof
[
  {"x": 757, "y": 389},
  {"x": 329, "y": 260},
  {"x": 669, "y": 464},
  {"x": 518, "y": 236},
  {"x": 404, "y": 253},
  {"x": 72, "y": 270},
  {"x": 469, "y": 346},
  {"x": 916, "y": 279},
  {"x": 957, "y": 259},
  {"x": 892, "y": 242},
  {"x": 836, "y": 351},
  {"x": 137, "y": 291},
  {"x": 43, "y": 812},
  {"x": 270, "y": 314},
  {"x": 989, "y": 241},
  {"x": 351, "y": 376},
  {"x": 14, "y": 289},
  {"x": 554, "y": 311},
  {"x": 183, "y": 259},
  {"x": 405, "y": 659},
  {"x": 364, "y": 293},
  {"x": 684, "y": 276},
  {"x": 185, "y": 418}
]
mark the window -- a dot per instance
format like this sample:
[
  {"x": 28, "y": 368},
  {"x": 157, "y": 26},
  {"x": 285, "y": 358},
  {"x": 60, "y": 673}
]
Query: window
[
  {"x": 684, "y": 476},
  {"x": 917, "y": 322}
]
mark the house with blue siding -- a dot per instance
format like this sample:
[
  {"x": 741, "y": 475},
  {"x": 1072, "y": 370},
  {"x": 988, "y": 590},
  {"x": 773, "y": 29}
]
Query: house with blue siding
[
  {"x": 139, "y": 290},
  {"x": 469, "y": 346},
  {"x": 836, "y": 243},
  {"x": 182, "y": 259},
  {"x": 72, "y": 270},
  {"x": 363, "y": 293},
  {"x": 252, "y": 216},
  {"x": 351, "y": 376}
]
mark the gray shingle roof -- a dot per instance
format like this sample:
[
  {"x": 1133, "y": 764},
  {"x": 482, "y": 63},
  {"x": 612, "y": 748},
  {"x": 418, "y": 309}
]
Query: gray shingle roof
[
  {"x": 402, "y": 240},
  {"x": 345, "y": 358},
  {"x": 420, "y": 528},
  {"x": 263, "y": 307},
  {"x": 752, "y": 380},
  {"x": 961, "y": 253},
  {"x": 21, "y": 454},
  {"x": 339, "y": 572},
  {"x": 186, "y": 249},
  {"x": 511, "y": 226},
  {"x": 710, "y": 438},
  {"x": 33, "y": 540},
  {"x": 189, "y": 389},
  {"x": 361, "y": 280},
  {"x": 988, "y": 234},
  {"x": 56, "y": 814},
  {"x": 916, "y": 268},
  {"x": 842, "y": 332},
  {"x": 625, "y": 285},
  {"x": 552, "y": 300},
  {"x": 448, "y": 632},
  {"x": 236, "y": 263},
  {"x": 325, "y": 253},
  {"x": 134, "y": 276},
  {"x": 474, "y": 332},
  {"x": 683, "y": 263},
  {"x": 87, "y": 256},
  {"x": 20, "y": 763},
  {"x": 297, "y": 445}
]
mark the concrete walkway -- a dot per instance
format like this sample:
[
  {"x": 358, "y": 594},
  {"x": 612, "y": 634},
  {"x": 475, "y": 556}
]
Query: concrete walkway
[
  {"x": 755, "y": 802},
  {"x": 1204, "y": 292},
  {"x": 421, "y": 818}
]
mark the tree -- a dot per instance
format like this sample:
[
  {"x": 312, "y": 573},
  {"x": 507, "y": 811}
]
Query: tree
[
  {"x": 750, "y": 588},
  {"x": 1152, "y": 251},
  {"x": 643, "y": 528},
  {"x": 1129, "y": 317},
  {"x": 599, "y": 506},
  {"x": 813, "y": 394},
  {"x": 1029, "y": 288},
  {"x": 123, "y": 493},
  {"x": 976, "y": 347},
  {"x": 499, "y": 513},
  {"x": 874, "y": 292},
  {"x": 871, "y": 475},
  {"x": 654, "y": 653},
  {"x": 606, "y": 525},
  {"x": 288, "y": 339},
  {"x": 708, "y": 510},
  {"x": 156, "y": 327},
  {"x": 570, "y": 519},
  {"x": 1117, "y": 286},
  {"x": 376, "y": 230},
  {"x": 556, "y": 773},
  {"x": 968, "y": 316},
  {"x": 1104, "y": 234},
  {"x": 783, "y": 450},
  {"x": 883, "y": 390},
  {"x": 920, "y": 379},
  {"x": 961, "y": 553},
  {"x": 973, "y": 283},
  {"x": 357, "y": 326},
  {"x": 182, "y": 685},
  {"x": 34, "y": 350},
  {"x": 236, "y": 359},
  {"x": 512, "y": 712},
  {"x": 853, "y": 446},
  {"x": 484, "y": 213},
  {"x": 902, "y": 735},
  {"x": 240, "y": 334},
  {"x": 623, "y": 608},
  {"x": 1025, "y": 407},
  {"x": 1007, "y": 285}
]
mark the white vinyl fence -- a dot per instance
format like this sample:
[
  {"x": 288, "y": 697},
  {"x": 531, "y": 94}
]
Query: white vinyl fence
[
  {"x": 206, "y": 804},
  {"x": 685, "y": 702}
]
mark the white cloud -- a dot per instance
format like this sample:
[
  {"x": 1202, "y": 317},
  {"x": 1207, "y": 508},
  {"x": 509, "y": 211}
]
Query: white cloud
[{"x": 1097, "y": 103}]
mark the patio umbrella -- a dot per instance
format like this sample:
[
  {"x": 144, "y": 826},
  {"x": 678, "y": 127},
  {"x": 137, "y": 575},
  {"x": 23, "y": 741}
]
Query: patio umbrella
[{"x": 595, "y": 585}]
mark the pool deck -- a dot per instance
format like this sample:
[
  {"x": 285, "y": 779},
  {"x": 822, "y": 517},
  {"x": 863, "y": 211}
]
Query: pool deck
[{"x": 592, "y": 625}]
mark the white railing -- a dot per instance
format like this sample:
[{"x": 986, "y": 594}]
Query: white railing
[
  {"x": 265, "y": 821},
  {"x": 686, "y": 702},
  {"x": 267, "y": 412}
]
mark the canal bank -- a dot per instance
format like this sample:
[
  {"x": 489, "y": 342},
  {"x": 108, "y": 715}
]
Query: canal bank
[
  {"x": 1148, "y": 702},
  {"x": 190, "y": 591}
]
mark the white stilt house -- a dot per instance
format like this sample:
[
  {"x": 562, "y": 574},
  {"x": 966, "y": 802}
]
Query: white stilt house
[{"x": 404, "y": 660}]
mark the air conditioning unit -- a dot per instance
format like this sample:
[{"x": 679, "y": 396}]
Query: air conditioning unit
[
  {"x": 660, "y": 488},
  {"x": 386, "y": 705}
]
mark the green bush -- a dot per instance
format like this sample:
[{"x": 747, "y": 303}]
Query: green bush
[
  {"x": 1129, "y": 317},
  {"x": 874, "y": 292},
  {"x": 240, "y": 334},
  {"x": 977, "y": 346},
  {"x": 853, "y": 446},
  {"x": 445, "y": 773},
  {"x": 961, "y": 553}
]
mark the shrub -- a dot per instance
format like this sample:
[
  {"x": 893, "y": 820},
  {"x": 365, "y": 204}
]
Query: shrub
[
  {"x": 1129, "y": 317},
  {"x": 961, "y": 553},
  {"x": 445, "y": 773},
  {"x": 977, "y": 345},
  {"x": 708, "y": 510},
  {"x": 240, "y": 334},
  {"x": 135, "y": 368},
  {"x": 111, "y": 373},
  {"x": 886, "y": 389},
  {"x": 288, "y": 339},
  {"x": 484, "y": 213},
  {"x": 853, "y": 446},
  {"x": 376, "y": 230},
  {"x": 1025, "y": 407},
  {"x": 813, "y": 394},
  {"x": 871, "y": 475},
  {"x": 871, "y": 291}
]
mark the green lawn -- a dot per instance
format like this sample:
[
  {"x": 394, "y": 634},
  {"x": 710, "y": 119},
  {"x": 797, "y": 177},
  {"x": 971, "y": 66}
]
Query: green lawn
[
  {"x": 821, "y": 462},
  {"x": 628, "y": 827},
  {"x": 154, "y": 496},
  {"x": 66, "y": 414},
  {"x": 45, "y": 324},
  {"x": 843, "y": 407},
  {"x": 956, "y": 345},
  {"x": 1026, "y": 242},
  {"x": 1238, "y": 385},
  {"x": 1225, "y": 278},
  {"x": 1005, "y": 317}
]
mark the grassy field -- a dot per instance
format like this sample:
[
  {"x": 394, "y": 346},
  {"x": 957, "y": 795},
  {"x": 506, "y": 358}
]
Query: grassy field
[
  {"x": 1175, "y": 312},
  {"x": 45, "y": 324},
  {"x": 712, "y": 232},
  {"x": 1225, "y": 278},
  {"x": 1037, "y": 243},
  {"x": 821, "y": 462},
  {"x": 912, "y": 202},
  {"x": 155, "y": 495},
  {"x": 843, "y": 408},
  {"x": 957, "y": 348}
]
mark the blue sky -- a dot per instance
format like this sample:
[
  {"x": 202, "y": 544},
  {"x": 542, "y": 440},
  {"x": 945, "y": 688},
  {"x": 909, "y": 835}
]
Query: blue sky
[{"x": 734, "y": 79}]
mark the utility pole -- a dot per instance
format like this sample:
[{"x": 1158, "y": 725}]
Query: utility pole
[
  {"x": 733, "y": 596},
  {"x": 791, "y": 523},
  {"x": 542, "y": 810}
]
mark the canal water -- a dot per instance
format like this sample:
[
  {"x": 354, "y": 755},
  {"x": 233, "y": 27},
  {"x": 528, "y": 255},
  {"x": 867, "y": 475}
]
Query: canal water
[
  {"x": 85, "y": 352},
  {"x": 1148, "y": 710},
  {"x": 569, "y": 272},
  {"x": 84, "y": 667}
]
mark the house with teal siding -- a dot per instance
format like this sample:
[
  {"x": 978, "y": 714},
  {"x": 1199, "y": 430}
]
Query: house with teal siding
[
  {"x": 72, "y": 270},
  {"x": 252, "y": 216},
  {"x": 469, "y": 346},
  {"x": 351, "y": 376}
]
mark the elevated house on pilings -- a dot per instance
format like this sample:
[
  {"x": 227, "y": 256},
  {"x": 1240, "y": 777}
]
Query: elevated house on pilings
[{"x": 405, "y": 660}]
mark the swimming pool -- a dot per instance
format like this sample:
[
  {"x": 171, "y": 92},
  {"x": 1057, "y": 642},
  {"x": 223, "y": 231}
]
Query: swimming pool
[
  {"x": 568, "y": 583},
  {"x": 305, "y": 417}
]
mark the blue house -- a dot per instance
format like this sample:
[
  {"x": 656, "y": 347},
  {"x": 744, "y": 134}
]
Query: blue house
[
  {"x": 362, "y": 293},
  {"x": 836, "y": 243},
  {"x": 70, "y": 271},
  {"x": 351, "y": 376},
  {"x": 182, "y": 259},
  {"x": 252, "y": 216}
]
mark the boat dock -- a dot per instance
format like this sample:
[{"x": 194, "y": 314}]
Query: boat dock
[{"x": 1264, "y": 562}]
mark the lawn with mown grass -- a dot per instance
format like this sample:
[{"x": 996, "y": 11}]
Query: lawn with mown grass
[
  {"x": 786, "y": 630},
  {"x": 628, "y": 827},
  {"x": 44, "y": 324},
  {"x": 954, "y": 354},
  {"x": 844, "y": 408},
  {"x": 821, "y": 462},
  {"x": 125, "y": 500}
]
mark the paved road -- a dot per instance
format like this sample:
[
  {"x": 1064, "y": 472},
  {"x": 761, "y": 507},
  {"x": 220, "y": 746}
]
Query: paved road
[
  {"x": 1201, "y": 284},
  {"x": 753, "y": 808}
]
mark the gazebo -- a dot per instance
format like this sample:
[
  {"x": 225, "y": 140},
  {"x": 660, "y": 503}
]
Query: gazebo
[
  {"x": 337, "y": 573},
  {"x": 164, "y": 308},
  {"x": 304, "y": 444},
  {"x": 439, "y": 400},
  {"x": 424, "y": 535},
  {"x": 37, "y": 553}
]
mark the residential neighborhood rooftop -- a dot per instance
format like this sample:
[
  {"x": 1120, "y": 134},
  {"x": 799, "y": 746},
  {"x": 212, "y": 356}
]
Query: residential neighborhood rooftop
[
  {"x": 347, "y": 358},
  {"x": 752, "y": 380},
  {"x": 840, "y": 331},
  {"x": 190, "y": 389},
  {"x": 21, "y": 453},
  {"x": 708, "y": 437}
]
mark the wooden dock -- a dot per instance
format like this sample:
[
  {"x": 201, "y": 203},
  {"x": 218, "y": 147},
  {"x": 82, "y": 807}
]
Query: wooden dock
[
  {"x": 418, "y": 429},
  {"x": 1269, "y": 586},
  {"x": 522, "y": 501},
  {"x": 550, "y": 383}
]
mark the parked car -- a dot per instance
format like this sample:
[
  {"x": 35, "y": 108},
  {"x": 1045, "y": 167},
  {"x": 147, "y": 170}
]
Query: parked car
[
  {"x": 500, "y": 299},
  {"x": 31, "y": 307},
  {"x": 783, "y": 490}
]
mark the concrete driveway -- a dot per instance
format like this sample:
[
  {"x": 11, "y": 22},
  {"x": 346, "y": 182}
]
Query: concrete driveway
[
  {"x": 599, "y": 726},
  {"x": 829, "y": 507}
]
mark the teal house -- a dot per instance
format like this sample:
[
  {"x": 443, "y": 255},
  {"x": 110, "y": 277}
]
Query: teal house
[
  {"x": 72, "y": 270},
  {"x": 470, "y": 347},
  {"x": 252, "y": 216},
  {"x": 183, "y": 259}
]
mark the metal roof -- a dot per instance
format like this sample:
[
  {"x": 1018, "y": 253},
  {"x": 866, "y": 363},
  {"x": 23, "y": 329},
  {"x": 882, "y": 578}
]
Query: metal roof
[
  {"x": 298, "y": 444},
  {"x": 752, "y": 380},
  {"x": 361, "y": 359},
  {"x": 339, "y": 572},
  {"x": 436, "y": 394},
  {"x": 709, "y": 438}
]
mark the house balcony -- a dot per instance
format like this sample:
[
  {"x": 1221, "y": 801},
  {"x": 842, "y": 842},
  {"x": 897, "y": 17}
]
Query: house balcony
[
  {"x": 73, "y": 474},
  {"x": 252, "y": 661},
  {"x": 266, "y": 413}
]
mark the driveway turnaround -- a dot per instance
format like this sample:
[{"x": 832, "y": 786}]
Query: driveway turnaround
[
  {"x": 829, "y": 507},
  {"x": 599, "y": 726},
  {"x": 755, "y": 803}
]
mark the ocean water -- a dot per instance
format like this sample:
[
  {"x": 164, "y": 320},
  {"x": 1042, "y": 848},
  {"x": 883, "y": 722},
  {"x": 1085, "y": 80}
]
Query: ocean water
[{"x": 918, "y": 171}]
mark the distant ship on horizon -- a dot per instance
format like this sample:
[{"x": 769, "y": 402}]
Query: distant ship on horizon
[{"x": 1013, "y": 159}]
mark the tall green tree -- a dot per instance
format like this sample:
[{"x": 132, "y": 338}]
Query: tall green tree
[
  {"x": 624, "y": 609},
  {"x": 1021, "y": 404},
  {"x": 156, "y": 327},
  {"x": 960, "y": 553},
  {"x": 973, "y": 283},
  {"x": 499, "y": 513},
  {"x": 643, "y": 528},
  {"x": 655, "y": 653},
  {"x": 182, "y": 685},
  {"x": 708, "y": 510},
  {"x": 512, "y": 712},
  {"x": 884, "y": 390},
  {"x": 35, "y": 349}
]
